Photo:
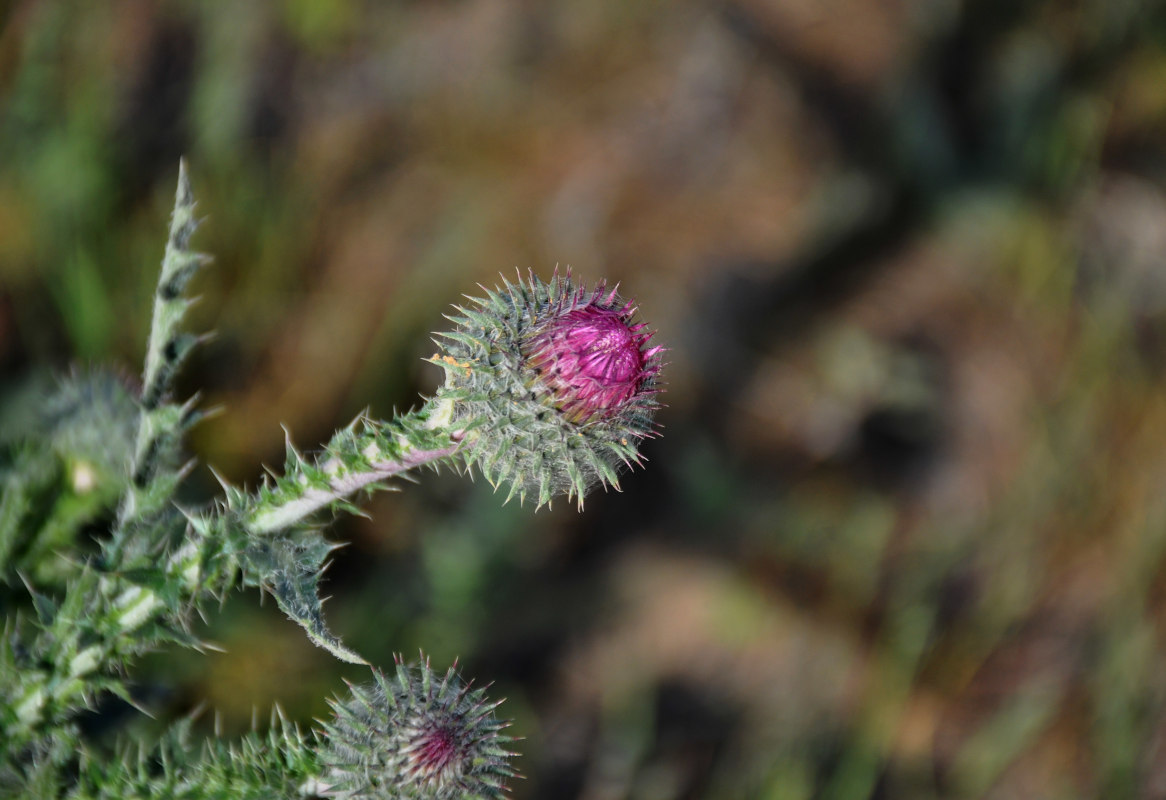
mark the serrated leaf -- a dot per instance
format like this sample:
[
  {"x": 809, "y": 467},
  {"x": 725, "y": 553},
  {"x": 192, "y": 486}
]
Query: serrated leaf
[
  {"x": 289, "y": 567},
  {"x": 46, "y": 607},
  {"x": 297, "y": 597}
]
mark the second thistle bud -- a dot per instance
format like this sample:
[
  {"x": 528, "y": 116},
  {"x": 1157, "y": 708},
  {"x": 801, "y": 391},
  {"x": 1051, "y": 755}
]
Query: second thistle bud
[
  {"x": 554, "y": 385},
  {"x": 415, "y": 735}
]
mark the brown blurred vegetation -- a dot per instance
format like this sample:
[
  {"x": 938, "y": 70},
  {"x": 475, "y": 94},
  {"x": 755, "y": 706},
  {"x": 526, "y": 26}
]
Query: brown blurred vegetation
[{"x": 903, "y": 535}]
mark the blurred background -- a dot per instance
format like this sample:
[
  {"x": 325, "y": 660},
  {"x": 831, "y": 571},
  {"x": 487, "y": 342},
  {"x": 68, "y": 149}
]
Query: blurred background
[{"x": 904, "y": 534}]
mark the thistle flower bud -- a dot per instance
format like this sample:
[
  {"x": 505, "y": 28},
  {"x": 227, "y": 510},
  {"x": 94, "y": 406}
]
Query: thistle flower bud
[
  {"x": 416, "y": 736},
  {"x": 554, "y": 386}
]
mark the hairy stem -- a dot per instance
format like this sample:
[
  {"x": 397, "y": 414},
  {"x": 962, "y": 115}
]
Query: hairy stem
[
  {"x": 363, "y": 455},
  {"x": 341, "y": 484}
]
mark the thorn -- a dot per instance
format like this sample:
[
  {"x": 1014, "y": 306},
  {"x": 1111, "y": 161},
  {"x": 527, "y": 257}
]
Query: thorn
[
  {"x": 223, "y": 482},
  {"x": 614, "y": 293},
  {"x": 182, "y": 472},
  {"x": 210, "y": 412},
  {"x": 289, "y": 446},
  {"x": 184, "y": 195}
]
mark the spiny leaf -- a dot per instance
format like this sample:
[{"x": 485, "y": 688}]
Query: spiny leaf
[{"x": 289, "y": 566}]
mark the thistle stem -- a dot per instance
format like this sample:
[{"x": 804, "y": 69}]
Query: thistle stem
[
  {"x": 341, "y": 484},
  {"x": 366, "y": 453}
]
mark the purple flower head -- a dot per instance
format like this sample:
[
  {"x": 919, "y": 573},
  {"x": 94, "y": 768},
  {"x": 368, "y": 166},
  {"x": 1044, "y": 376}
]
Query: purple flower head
[{"x": 594, "y": 358}]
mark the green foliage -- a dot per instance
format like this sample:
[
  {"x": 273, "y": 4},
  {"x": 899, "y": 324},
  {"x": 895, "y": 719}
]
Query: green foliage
[
  {"x": 162, "y": 422},
  {"x": 259, "y": 765},
  {"x": 285, "y": 553},
  {"x": 89, "y": 454},
  {"x": 65, "y": 462}
]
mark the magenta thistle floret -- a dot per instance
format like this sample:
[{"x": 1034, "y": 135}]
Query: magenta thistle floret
[
  {"x": 594, "y": 359},
  {"x": 554, "y": 386},
  {"x": 436, "y": 753}
]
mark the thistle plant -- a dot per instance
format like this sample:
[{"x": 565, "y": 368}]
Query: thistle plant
[{"x": 549, "y": 391}]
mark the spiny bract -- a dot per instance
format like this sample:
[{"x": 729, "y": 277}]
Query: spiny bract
[
  {"x": 416, "y": 735},
  {"x": 553, "y": 386}
]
